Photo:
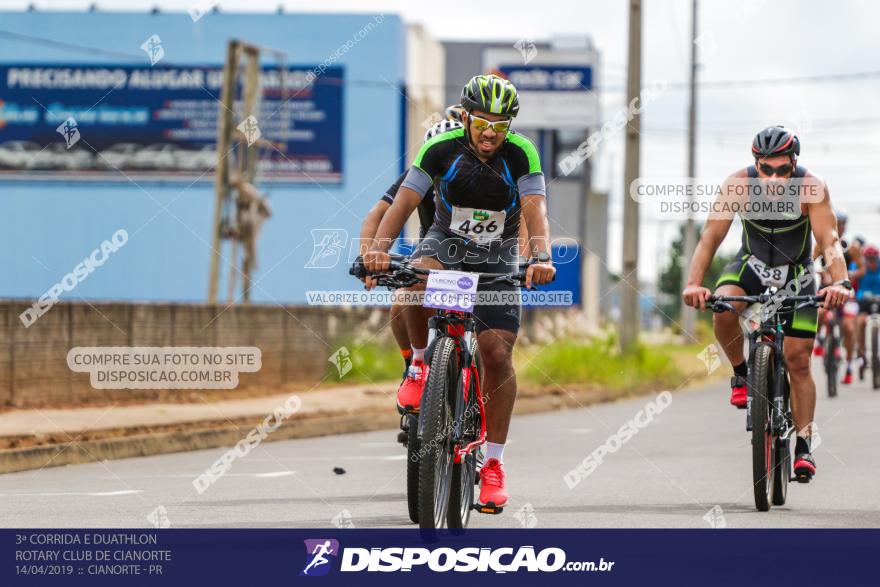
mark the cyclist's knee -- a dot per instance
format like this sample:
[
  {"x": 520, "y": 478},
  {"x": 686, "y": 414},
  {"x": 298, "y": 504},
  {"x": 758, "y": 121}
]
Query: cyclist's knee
[
  {"x": 496, "y": 354},
  {"x": 798, "y": 364},
  {"x": 725, "y": 320}
]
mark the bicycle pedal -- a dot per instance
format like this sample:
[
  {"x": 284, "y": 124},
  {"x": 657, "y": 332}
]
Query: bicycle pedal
[
  {"x": 802, "y": 477},
  {"x": 489, "y": 508}
]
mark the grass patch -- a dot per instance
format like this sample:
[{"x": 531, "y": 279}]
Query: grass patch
[
  {"x": 595, "y": 362},
  {"x": 599, "y": 362},
  {"x": 371, "y": 362}
]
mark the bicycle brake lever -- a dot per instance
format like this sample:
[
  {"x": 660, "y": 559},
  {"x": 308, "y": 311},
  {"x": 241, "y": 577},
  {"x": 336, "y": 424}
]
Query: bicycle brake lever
[{"x": 719, "y": 307}]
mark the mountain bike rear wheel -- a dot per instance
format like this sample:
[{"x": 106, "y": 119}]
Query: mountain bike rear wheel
[
  {"x": 831, "y": 346},
  {"x": 413, "y": 449},
  {"x": 875, "y": 357}
]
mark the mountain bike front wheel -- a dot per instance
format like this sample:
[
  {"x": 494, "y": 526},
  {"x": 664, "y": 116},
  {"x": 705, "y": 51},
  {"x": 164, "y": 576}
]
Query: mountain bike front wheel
[
  {"x": 763, "y": 442},
  {"x": 435, "y": 464},
  {"x": 464, "y": 474}
]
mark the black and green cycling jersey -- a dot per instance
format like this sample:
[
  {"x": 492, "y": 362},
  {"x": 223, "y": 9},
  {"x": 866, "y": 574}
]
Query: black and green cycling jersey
[
  {"x": 776, "y": 252},
  {"x": 476, "y": 200},
  {"x": 778, "y": 241}
]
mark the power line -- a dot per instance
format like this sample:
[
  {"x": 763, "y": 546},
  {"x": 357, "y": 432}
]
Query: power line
[
  {"x": 707, "y": 84},
  {"x": 743, "y": 83}
]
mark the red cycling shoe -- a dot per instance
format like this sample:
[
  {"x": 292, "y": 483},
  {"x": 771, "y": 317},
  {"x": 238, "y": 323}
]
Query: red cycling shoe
[
  {"x": 739, "y": 392},
  {"x": 409, "y": 394},
  {"x": 804, "y": 467},
  {"x": 492, "y": 484}
]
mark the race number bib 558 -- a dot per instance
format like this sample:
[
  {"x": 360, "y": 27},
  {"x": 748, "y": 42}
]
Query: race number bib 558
[
  {"x": 480, "y": 226},
  {"x": 769, "y": 275}
]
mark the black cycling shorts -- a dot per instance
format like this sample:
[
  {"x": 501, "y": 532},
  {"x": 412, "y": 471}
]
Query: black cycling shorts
[
  {"x": 865, "y": 305},
  {"x": 800, "y": 324},
  {"x": 456, "y": 254}
]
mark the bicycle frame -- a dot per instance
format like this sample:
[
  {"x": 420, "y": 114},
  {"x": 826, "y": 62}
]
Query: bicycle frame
[
  {"x": 461, "y": 328},
  {"x": 771, "y": 333}
]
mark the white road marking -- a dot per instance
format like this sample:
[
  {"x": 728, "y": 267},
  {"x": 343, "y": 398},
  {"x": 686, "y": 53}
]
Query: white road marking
[{"x": 76, "y": 493}]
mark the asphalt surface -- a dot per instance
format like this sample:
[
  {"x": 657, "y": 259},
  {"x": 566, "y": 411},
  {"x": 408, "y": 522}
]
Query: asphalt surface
[{"x": 692, "y": 457}]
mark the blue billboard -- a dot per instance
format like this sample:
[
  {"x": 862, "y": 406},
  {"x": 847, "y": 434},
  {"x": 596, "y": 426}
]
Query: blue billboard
[
  {"x": 129, "y": 121},
  {"x": 549, "y": 78}
]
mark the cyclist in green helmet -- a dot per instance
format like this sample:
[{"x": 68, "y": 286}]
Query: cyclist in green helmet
[{"x": 486, "y": 180}]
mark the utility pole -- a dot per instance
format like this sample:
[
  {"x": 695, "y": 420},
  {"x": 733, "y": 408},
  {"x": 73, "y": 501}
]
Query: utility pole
[
  {"x": 221, "y": 188},
  {"x": 688, "y": 314},
  {"x": 629, "y": 324}
]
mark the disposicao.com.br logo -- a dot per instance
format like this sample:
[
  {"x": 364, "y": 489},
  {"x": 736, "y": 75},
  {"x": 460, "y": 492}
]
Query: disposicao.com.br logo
[{"x": 443, "y": 559}]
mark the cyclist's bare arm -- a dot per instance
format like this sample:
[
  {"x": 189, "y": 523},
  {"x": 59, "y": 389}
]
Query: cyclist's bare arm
[
  {"x": 405, "y": 202},
  {"x": 824, "y": 225},
  {"x": 523, "y": 238},
  {"x": 376, "y": 258},
  {"x": 819, "y": 264},
  {"x": 371, "y": 224},
  {"x": 534, "y": 210},
  {"x": 716, "y": 228}
]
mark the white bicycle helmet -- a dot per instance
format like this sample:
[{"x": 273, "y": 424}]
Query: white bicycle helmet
[{"x": 441, "y": 127}]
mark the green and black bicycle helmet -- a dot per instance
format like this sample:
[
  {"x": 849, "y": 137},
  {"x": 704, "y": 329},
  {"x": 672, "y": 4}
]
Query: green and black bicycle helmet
[
  {"x": 776, "y": 140},
  {"x": 492, "y": 94}
]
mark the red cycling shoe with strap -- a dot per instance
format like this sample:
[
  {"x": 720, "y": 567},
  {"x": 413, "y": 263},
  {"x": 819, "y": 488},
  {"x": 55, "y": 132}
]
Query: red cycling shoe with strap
[
  {"x": 739, "y": 392},
  {"x": 409, "y": 394},
  {"x": 804, "y": 467},
  {"x": 492, "y": 484}
]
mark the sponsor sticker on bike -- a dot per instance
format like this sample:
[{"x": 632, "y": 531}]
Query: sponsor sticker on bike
[
  {"x": 774, "y": 276},
  {"x": 451, "y": 290}
]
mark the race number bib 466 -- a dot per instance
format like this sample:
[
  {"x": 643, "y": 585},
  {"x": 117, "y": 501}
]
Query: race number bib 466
[
  {"x": 480, "y": 226},
  {"x": 769, "y": 275}
]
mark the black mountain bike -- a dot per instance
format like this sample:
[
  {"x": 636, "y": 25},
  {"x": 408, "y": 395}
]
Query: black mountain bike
[
  {"x": 768, "y": 412},
  {"x": 831, "y": 356},
  {"x": 444, "y": 437},
  {"x": 872, "y": 333}
]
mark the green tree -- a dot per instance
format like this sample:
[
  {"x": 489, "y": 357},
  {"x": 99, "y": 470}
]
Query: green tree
[{"x": 670, "y": 278}]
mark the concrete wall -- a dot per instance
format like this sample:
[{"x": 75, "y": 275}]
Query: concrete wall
[{"x": 295, "y": 343}]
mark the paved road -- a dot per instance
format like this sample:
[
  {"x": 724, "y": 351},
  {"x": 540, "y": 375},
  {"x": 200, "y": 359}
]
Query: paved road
[{"x": 692, "y": 457}]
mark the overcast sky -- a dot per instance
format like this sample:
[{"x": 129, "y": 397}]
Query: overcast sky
[{"x": 744, "y": 39}]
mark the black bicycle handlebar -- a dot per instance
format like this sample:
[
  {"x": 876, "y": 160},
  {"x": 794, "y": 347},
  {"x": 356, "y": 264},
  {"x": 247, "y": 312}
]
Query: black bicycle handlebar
[
  {"x": 720, "y": 304},
  {"x": 401, "y": 273}
]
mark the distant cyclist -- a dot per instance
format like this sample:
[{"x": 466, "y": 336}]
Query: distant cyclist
[
  {"x": 775, "y": 252},
  {"x": 847, "y": 314},
  {"x": 487, "y": 180},
  {"x": 869, "y": 285}
]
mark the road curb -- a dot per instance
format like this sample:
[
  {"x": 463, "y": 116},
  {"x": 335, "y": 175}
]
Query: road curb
[
  {"x": 227, "y": 433},
  {"x": 71, "y": 453}
]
